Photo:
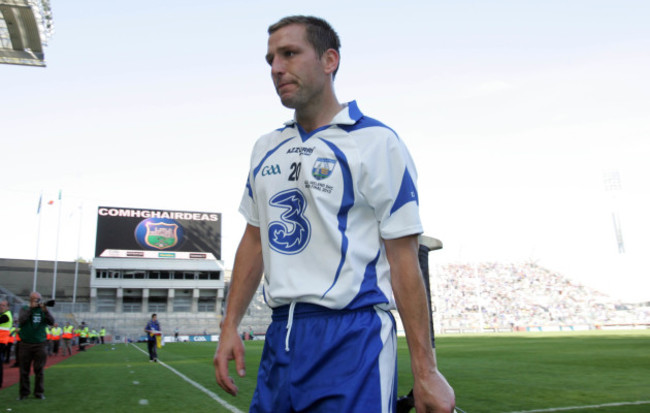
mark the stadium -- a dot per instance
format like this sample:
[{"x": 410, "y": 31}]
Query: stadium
[
  {"x": 168, "y": 262},
  {"x": 512, "y": 335}
]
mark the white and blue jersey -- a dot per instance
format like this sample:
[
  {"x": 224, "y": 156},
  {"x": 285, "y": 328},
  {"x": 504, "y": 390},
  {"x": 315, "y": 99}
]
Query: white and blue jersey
[{"x": 324, "y": 201}]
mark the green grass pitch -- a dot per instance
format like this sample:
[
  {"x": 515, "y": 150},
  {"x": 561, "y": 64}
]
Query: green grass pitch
[{"x": 526, "y": 372}]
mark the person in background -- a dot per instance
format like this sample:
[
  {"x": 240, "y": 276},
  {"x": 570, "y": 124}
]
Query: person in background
[
  {"x": 6, "y": 324},
  {"x": 94, "y": 336},
  {"x": 83, "y": 336},
  {"x": 16, "y": 344},
  {"x": 10, "y": 344},
  {"x": 152, "y": 329},
  {"x": 33, "y": 319},
  {"x": 68, "y": 336},
  {"x": 102, "y": 334},
  {"x": 48, "y": 340},
  {"x": 55, "y": 333},
  {"x": 77, "y": 336}
]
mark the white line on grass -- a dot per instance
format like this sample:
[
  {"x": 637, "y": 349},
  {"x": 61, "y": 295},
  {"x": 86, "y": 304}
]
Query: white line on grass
[
  {"x": 595, "y": 406},
  {"x": 212, "y": 395}
]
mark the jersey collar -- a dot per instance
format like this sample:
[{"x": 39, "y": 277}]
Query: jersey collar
[{"x": 349, "y": 115}]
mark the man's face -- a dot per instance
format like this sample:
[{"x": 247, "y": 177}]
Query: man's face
[
  {"x": 297, "y": 70},
  {"x": 3, "y": 306},
  {"x": 34, "y": 299}
]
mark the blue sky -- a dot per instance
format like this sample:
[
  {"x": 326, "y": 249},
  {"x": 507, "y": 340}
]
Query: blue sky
[{"x": 512, "y": 110}]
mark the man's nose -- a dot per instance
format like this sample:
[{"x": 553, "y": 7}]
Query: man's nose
[{"x": 277, "y": 66}]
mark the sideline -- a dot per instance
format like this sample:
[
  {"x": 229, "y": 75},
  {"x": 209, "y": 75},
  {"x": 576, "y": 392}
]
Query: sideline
[
  {"x": 212, "y": 395},
  {"x": 595, "y": 406}
]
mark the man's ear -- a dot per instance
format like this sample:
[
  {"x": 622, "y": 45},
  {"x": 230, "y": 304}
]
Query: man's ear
[{"x": 330, "y": 61}]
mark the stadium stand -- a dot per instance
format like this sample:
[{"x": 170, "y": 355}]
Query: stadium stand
[
  {"x": 494, "y": 296},
  {"x": 482, "y": 297}
]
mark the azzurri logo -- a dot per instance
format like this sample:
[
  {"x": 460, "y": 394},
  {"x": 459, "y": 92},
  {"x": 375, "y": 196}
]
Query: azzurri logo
[
  {"x": 159, "y": 233},
  {"x": 291, "y": 233}
]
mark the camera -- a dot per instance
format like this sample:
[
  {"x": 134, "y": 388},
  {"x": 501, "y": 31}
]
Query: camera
[{"x": 48, "y": 303}]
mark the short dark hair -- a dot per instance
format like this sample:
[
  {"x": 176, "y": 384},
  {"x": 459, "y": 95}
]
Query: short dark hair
[
  {"x": 320, "y": 33},
  {"x": 153, "y": 315}
]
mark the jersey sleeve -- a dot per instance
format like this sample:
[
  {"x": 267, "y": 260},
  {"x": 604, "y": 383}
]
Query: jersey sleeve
[
  {"x": 389, "y": 186},
  {"x": 248, "y": 204}
]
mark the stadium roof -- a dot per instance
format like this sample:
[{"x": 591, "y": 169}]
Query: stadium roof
[{"x": 25, "y": 26}]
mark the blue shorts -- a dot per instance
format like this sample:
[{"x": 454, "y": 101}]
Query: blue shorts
[{"x": 322, "y": 360}]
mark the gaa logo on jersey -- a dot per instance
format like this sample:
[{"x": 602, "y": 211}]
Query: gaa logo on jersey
[
  {"x": 323, "y": 168},
  {"x": 159, "y": 233}
]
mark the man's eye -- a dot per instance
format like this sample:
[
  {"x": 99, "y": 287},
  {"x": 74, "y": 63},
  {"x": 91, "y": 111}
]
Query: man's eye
[{"x": 289, "y": 54}]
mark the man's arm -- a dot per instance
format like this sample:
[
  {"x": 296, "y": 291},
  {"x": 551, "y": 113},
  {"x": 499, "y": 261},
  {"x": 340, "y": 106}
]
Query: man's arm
[
  {"x": 49, "y": 318},
  {"x": 246, "y": 276},
  {"x": 23, "y": 315},
  {"x": 431, "y": 391}
]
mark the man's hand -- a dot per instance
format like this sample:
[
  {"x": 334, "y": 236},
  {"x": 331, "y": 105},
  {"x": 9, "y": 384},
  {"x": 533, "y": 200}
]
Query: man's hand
[
  {"x": 431, "y": 391},
  {"x": 433, "y": 394},
  {"x": 246, "y": 276},
  {"x": 230, "y": 348}
]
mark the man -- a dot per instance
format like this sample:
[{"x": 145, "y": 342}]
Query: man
[
  {"x": 16, "y": 345},
  {"x": 48, "y": 341},
  {"x": 102, "y": 334},
  {"x": 33, "y": 319},
  {"x": 10, "y": 343},
  {"x": 6, "y": 324},
  {"x": 83, "y": 336},
  {"x": 77, "y": 336},
  {"x": 68, "y": 336},
  {"x": 332, "y": 222},
  {"x": 152, "y": 329},
  {"x": 56, "y": 333}
]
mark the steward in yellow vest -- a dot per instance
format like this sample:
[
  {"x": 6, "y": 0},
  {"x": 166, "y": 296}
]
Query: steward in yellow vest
[
  {"x": 68, "y": 336},
  {"x": 56, "y": 332},
  {"x": 6, "y": 322},
  {"x": 83, "y": 336}
]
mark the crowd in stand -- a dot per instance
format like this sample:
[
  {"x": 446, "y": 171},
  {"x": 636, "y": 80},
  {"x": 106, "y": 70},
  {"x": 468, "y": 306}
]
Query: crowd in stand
[{"x": 518, "y": 296}]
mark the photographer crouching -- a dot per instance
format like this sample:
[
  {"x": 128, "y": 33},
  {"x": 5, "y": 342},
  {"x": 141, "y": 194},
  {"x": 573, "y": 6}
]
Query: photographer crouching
[{"x": 33, "y": 320}]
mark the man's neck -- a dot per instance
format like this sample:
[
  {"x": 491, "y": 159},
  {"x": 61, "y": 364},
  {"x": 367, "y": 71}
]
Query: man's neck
[{"x": 318, "y": 114}]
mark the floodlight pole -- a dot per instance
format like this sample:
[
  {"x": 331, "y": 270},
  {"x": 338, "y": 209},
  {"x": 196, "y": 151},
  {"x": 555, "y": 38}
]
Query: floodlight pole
[
  {"x": 76, "y": 261},
  {"x": 38, "y": 240},
  {"x": 56, "y": 253}
]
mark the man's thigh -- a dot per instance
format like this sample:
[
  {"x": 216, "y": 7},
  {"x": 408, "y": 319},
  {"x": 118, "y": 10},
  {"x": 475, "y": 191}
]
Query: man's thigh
[{"x": 337, "y": 362}]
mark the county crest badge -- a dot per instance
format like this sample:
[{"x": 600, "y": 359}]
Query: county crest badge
[
  {"x": 323, "y": 168},
  {"x": 159, "y": 234}
]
